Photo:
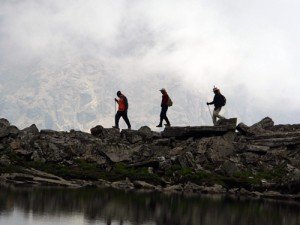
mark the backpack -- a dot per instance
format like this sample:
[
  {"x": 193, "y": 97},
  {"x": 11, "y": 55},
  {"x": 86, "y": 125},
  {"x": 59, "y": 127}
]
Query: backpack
[
  {"x": 170, "y": 103},
  {"x": 223, "y": 100}
]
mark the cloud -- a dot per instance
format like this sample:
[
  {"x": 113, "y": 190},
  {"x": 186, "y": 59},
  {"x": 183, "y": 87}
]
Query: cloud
[{"x": 248, "y": 49}]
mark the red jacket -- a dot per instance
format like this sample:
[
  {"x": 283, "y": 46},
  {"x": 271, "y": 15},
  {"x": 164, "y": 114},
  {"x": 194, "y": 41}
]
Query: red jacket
[
  {"x": 123, "y": 104},
  {"x": 165, "y": 99}
]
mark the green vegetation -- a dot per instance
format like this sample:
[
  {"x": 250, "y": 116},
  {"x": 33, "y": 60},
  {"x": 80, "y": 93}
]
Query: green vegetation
[{"x": 82, "y": 169}]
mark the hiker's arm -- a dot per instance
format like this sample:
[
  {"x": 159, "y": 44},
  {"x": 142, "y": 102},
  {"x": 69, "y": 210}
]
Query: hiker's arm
[
  {"x": 210, "y": 103},
  {"x": 116, "y": 100}
]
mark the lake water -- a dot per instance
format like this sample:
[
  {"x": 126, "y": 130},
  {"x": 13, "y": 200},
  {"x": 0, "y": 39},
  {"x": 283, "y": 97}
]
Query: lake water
[{"x": 49, "y": 206}]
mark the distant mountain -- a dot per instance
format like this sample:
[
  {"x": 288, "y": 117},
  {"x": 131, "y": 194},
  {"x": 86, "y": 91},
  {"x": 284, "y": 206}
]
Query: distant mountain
[{"x": 80, "y": 95}]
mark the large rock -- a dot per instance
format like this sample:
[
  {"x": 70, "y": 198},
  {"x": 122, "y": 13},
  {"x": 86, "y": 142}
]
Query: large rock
[
  {"x": 263, "y": 126},
  {"x": 4, "y": 123},
  {"x": 244, "y": 129},
  {"x": 196, "y": 132},
  {"x": 265, "y": 123},
  {"x": 215, "y": 148},
  {"x": 98, "y": 131},
  {"x": 229, "y": 123},
  {"x": 132, "y": 136},
  {"x": 10, "y": 131}
]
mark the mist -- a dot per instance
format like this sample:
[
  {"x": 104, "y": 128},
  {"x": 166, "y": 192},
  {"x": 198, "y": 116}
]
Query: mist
[{"x": 250, "y": 50}]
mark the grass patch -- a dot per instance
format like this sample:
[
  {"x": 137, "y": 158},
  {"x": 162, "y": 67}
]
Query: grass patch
[{"x": 121, "y": 171}]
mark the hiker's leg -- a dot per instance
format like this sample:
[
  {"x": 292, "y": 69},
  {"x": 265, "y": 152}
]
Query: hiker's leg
[
  {"x": 165, "y": 115},
  {"x": 117, "y": 118},
  {"x": 215, "y": 115},
  {"x": 125, "y": 117},
  {"x": 218, "y": 114},
  {"x": 161, "y": 116}
]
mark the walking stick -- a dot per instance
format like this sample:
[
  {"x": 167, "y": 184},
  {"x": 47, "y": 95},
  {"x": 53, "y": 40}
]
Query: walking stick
[{"x": 209, "y": 111}]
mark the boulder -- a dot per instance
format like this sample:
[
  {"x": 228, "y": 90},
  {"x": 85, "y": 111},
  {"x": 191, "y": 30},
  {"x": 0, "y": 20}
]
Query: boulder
[
  {"x": 123, "y": 184},
  {"x": 265, "y": 123},
  {"x": 229, "y": 123},
  {"x": 215, "y": 149},
  {"x": 215, "y": 189},
  {"x": 244, "y": 129},
  {"x": 162, "y": 142},
  {"x": 132, "y": 136},
  {"x": 98, "y": 131},
  {"x": 4, "y": 160},
  {"x": 192, "y": 187},
  {"x": 263, "y": 126},
  {"x": 146, "y": 132},
  {"x": 4, "y": 123},
  {"x": 174, "y": 188},
  {"x": 196, "y": 132},
  {"x": 186, "y": 160},
  {"x": 143, "y": 185},
  {"x": 11, "y": 131}
]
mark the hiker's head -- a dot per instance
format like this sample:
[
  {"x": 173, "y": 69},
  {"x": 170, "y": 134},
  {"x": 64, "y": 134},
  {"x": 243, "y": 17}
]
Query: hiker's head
[
  {"x": 216, "y": 90},
  {"x": 119, "y": 93},
  {"x": 162, "y": 90}
]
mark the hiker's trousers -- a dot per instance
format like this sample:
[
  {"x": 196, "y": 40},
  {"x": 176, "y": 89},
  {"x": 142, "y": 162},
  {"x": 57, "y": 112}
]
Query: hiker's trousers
[
  {"x": 125, "y": 117},
  {"x": 217, "y": 115}
]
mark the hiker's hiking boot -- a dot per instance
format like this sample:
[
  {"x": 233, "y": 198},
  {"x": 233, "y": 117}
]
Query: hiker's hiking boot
[
  {"x": 167, "y": 125},
  {"x": 159, "y": 125}
]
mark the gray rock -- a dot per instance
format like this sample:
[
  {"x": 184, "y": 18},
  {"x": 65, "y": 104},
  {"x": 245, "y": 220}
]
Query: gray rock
[
  {"x": 265, "y": 123},
  {"x": 99, "y": 131},
  {"x": 4, "y": 123},
  {"x": 229, "y": 123},
  {"x": 215, "y": 189},
  {"x": 244, "y": 129},
  {"x": 132, "y": 136},
  {"x": 143, "y": 185},
  {"x": 146, "y": 132},
  {"x": 174, "y": 188},
  {"x": 217, "y": 148},
  {"x": 186, "y": 160},
  {"x": 229, "y": 168},
  {"x": 5, "y": 161},
  {"x": 11, "y": 131},
  {"x": 196, "y": 132},
  {"x": 162, "y": 142},
  {"x": 123, "y": 185},
  {"x": 192, "y": 187}
]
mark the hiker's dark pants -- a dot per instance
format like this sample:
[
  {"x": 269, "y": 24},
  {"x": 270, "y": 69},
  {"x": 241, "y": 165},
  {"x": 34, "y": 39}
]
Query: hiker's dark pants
[
  {"x": 125, "y": 117},
  {"x": 163, "y": 115}
]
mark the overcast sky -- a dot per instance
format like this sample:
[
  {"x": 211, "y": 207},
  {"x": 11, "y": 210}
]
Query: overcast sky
[{"x": 250, "y": 49}]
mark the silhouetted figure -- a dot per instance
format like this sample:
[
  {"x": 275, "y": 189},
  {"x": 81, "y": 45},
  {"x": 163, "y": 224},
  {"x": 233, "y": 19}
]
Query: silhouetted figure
[
  {"x": 219, "y": 101},
  {"x": 122, "y": 110},
  {"x": 165, "y": 102}
]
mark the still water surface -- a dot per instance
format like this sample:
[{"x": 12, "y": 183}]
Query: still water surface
[{"x": 48, "y": 206}]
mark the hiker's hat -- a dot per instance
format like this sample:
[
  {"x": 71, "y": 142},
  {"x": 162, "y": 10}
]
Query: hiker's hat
[
  {"x": 216, "y": 89},
  {"x": 162, "y": 89}
]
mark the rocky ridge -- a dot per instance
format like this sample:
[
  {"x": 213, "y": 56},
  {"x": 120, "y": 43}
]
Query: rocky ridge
[{"x": 261, "y": 160}]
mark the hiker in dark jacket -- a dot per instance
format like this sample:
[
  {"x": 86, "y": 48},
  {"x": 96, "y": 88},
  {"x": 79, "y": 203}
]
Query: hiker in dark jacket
[
  {"x": 122, "y": 110},
  {"x": 218, "y": 102},
  {"x": 164, "y": 108}
]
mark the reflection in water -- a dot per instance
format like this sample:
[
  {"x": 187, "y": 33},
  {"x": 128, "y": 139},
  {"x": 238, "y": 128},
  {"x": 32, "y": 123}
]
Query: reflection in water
[{"x": 94, "y": 206}]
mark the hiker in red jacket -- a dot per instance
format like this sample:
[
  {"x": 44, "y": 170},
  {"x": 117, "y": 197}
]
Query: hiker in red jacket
[
  {"x": 122, "y": 110},
  {"x": 164, "y": 108}
]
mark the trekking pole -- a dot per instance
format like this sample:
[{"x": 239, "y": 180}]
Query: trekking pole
[{"x": 209, "y": 111}]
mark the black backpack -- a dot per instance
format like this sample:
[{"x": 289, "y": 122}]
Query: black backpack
[{"x": 223, "y": 100}]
